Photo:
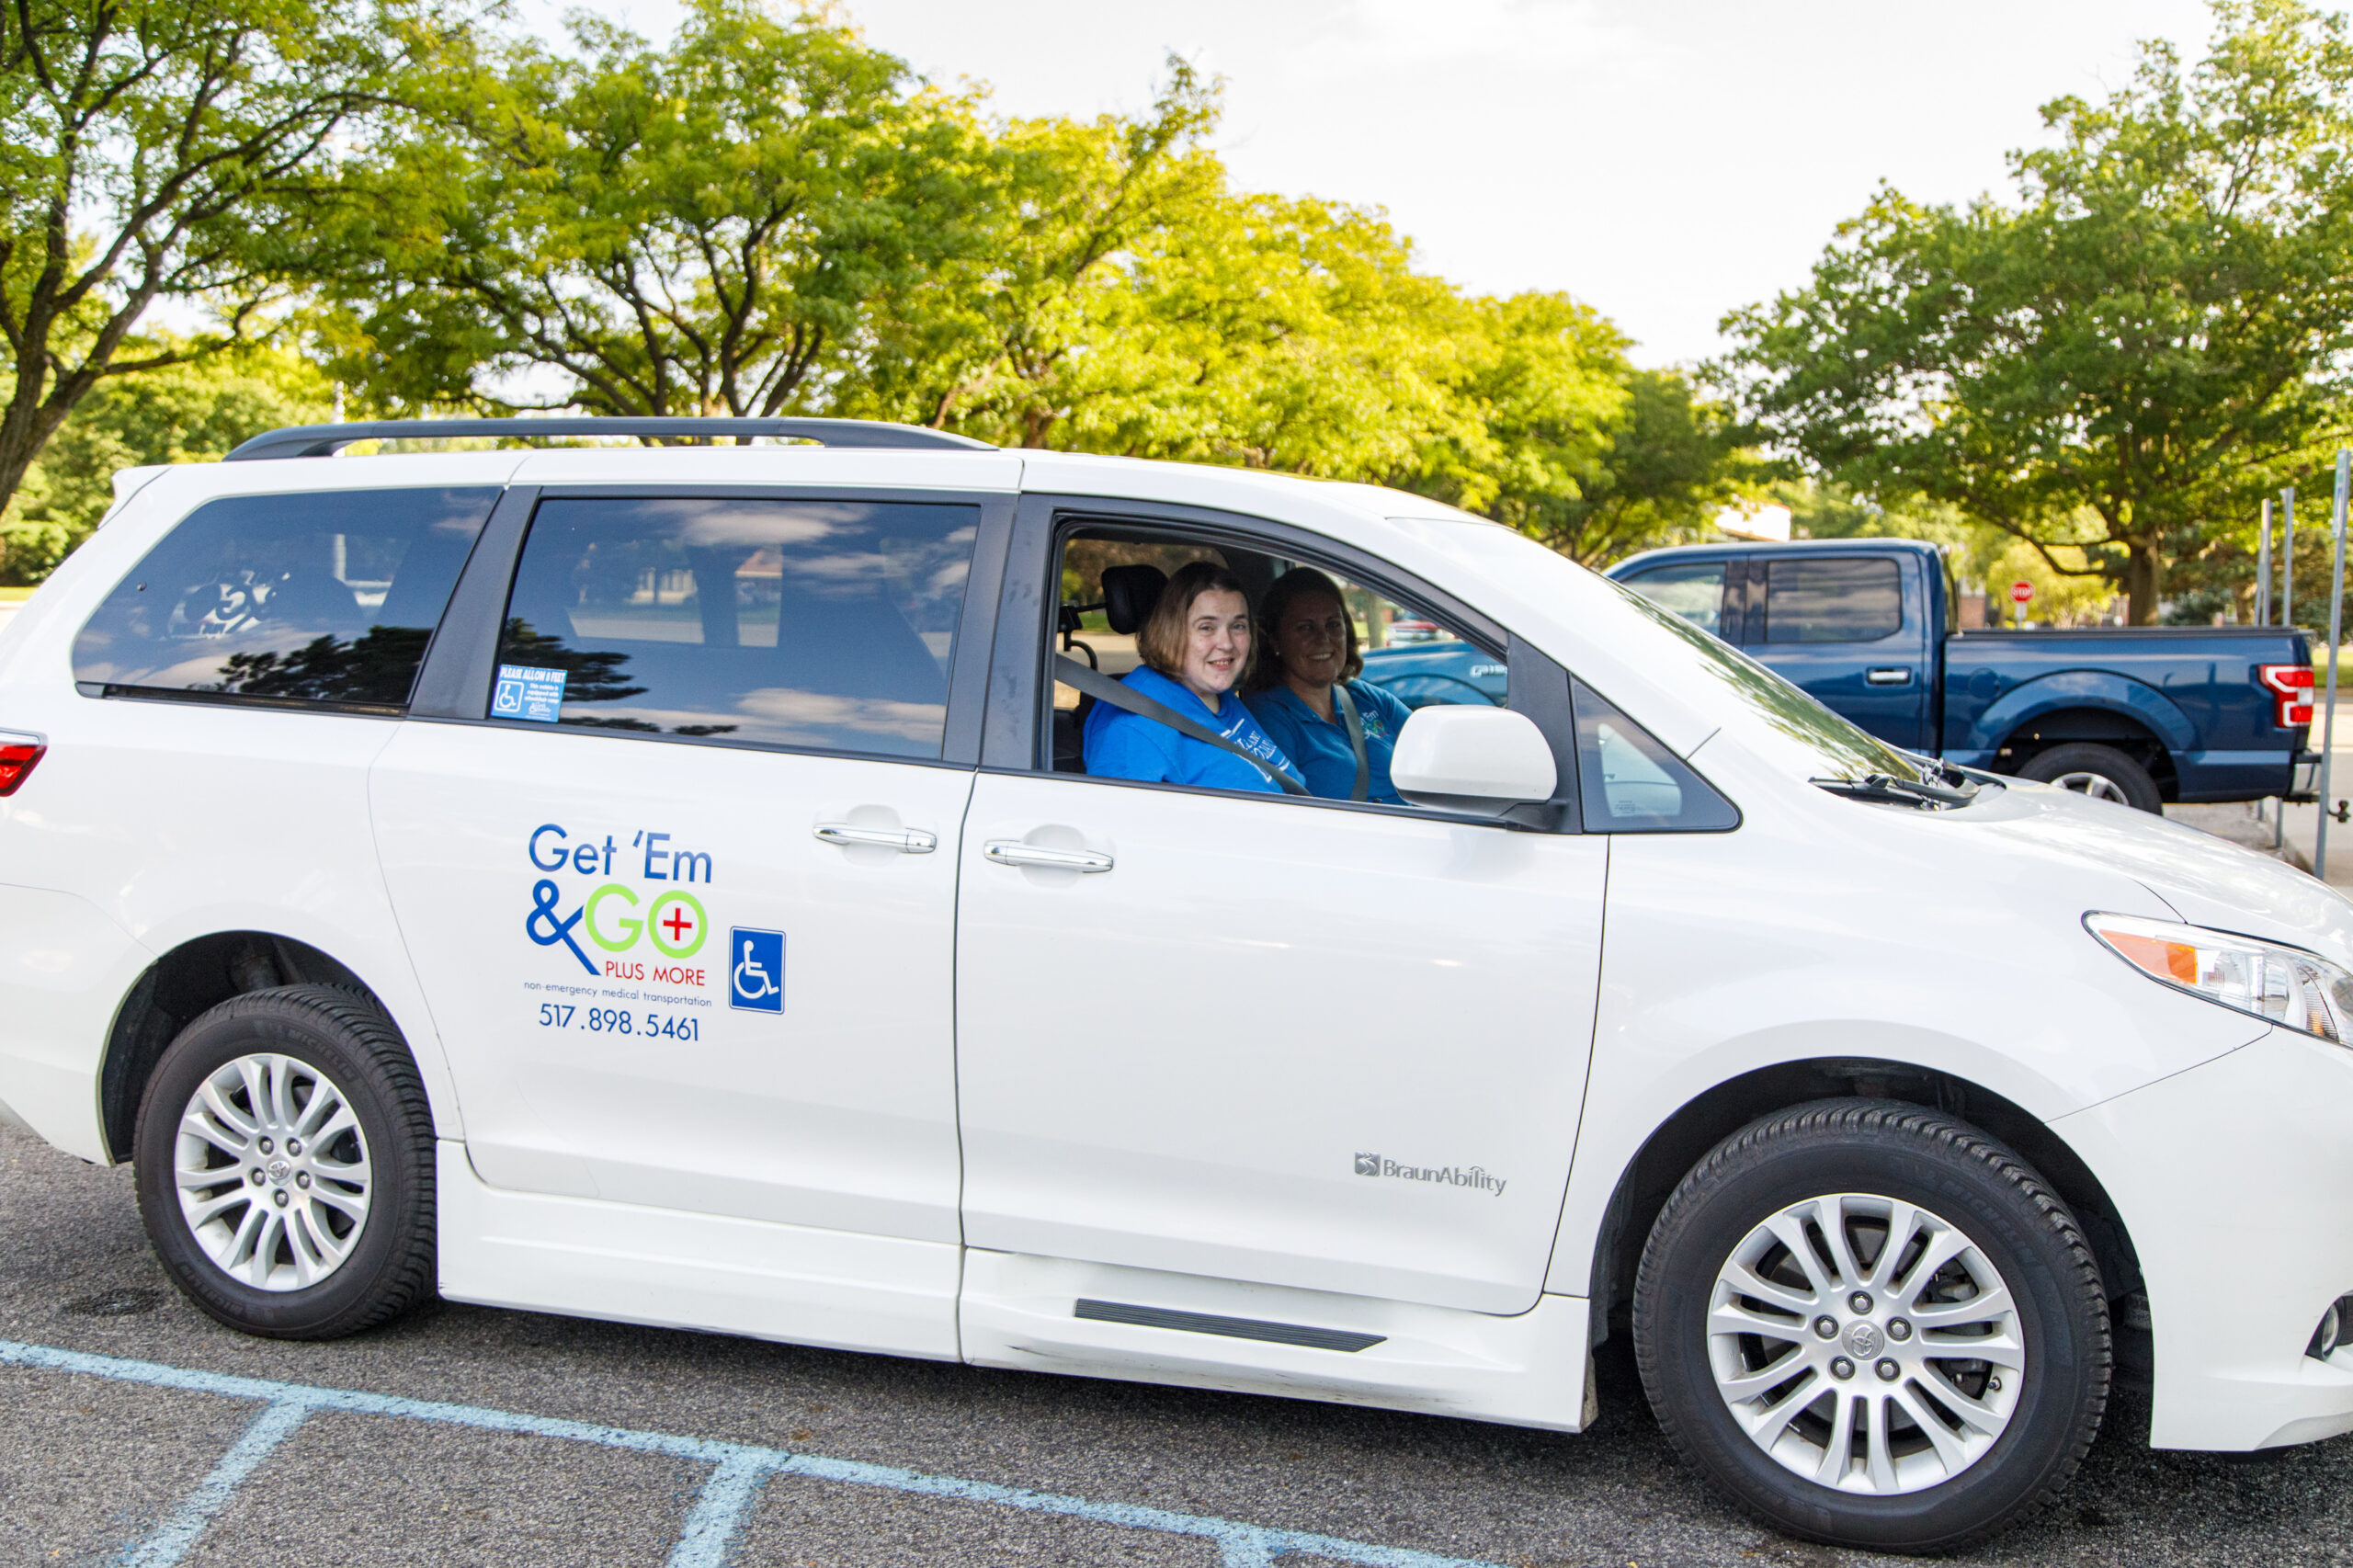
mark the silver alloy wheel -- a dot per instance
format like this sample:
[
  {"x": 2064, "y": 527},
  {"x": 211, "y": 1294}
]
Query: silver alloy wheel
[
  {"x": 2098, "y": 785},
  {"x": 1866, "y": 1344},
  {"x": 272, "y": 1170}
]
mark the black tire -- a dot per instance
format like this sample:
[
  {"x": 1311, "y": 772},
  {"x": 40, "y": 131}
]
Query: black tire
[
  {"x": 2089, "y": 759},
  {"x": 341, "y": 1036},
  {"x": 1905, "y": 1153}
]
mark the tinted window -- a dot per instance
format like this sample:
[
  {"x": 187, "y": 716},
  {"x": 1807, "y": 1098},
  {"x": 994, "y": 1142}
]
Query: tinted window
[
  {"x": 315, "y": 598},
  {"x": 801, "y": 623},
  {"x": 1632, "y": 784},
  {"x": 1694, "y": 590},
  {"x": 1832, "y": 601}
]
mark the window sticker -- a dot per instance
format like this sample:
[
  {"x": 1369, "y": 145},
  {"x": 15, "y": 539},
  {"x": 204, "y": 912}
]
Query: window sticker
[{"x": 528, "y": 693}]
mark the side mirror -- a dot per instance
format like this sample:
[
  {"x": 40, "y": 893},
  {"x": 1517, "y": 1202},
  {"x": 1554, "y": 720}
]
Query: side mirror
[{"x": 1477, "y": 760}]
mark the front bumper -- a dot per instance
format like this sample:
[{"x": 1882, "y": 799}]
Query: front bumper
[{"x": 2235, "y": 1181}]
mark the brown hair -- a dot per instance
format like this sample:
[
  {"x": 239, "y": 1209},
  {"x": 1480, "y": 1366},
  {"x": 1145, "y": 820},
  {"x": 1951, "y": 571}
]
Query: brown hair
[
  {"x": 1291, "y": 586},
  {"x": 1161, "y": 639}
]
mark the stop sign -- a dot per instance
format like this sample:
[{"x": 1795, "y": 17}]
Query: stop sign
[{"x": 2021, "y": 593}]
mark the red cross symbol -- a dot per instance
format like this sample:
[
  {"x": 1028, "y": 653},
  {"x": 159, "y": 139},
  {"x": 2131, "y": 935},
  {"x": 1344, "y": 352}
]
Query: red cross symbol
[{"x": 678, "y": 925}]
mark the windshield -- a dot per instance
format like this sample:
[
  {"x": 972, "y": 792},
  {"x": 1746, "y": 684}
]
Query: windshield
[{"x": 1812, "y": 740}]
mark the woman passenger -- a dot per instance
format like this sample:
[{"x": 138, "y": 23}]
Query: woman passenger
[
  {"x": 1195, "y": 648},
  {"x": 1309, "y": 700}
]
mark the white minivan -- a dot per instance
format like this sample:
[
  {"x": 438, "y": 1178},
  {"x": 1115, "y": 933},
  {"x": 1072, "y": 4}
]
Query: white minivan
[{"x": 663, "y": 883}]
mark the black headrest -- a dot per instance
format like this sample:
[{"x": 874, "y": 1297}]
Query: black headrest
[{"x": 1129, "y": 594}]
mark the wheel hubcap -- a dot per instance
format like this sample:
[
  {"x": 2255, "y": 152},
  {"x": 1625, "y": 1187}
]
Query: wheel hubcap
[
  {"x": 1922, "y": 1364},
  {"x": 273, "y": 1174},
  {"x": 2098, "y": 785}
]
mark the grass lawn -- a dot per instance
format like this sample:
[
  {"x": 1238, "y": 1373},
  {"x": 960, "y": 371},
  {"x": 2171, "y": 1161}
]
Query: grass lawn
[{"x": 9, "y": 596}]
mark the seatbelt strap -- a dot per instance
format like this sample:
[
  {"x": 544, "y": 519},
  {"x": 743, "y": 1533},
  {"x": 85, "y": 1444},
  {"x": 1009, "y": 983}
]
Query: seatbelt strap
[
  {"x": 1103, "y": 688},
  {"x": 1347, "y": 706}
]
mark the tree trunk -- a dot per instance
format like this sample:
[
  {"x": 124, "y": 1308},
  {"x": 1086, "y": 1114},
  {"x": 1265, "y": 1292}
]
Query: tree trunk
[{"x": 2144, "y": 573}]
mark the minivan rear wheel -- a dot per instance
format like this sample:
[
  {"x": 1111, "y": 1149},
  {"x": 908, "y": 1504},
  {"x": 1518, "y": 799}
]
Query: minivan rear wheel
[
  {"x": 285, "y": 1165},
  {"x": 1875, "y": 1326}
]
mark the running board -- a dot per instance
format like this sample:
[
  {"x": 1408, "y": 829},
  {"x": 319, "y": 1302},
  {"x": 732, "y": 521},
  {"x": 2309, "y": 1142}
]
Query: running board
[
  {"x": 1049, "y": 1315},
  {"x": 1233, "y": 1328}
]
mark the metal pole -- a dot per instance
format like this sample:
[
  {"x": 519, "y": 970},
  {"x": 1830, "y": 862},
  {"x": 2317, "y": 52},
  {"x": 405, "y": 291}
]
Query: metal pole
[
  {"x": 2335, "y": 632},
  {"x": 2287, "y": 612},
  {"x": 2263, "y": 572},
  {"x": 2288, "y": 558}
]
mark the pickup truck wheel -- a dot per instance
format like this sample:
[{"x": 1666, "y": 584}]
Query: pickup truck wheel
[
  {"x": 2102, "y": 772},
  {"x": 285, "y": 1165},
  {"x": 1875, "y": 1326}
]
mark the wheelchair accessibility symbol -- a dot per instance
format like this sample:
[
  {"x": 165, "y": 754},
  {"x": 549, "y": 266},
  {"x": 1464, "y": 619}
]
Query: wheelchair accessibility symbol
[{"x": 756, "y": 972}]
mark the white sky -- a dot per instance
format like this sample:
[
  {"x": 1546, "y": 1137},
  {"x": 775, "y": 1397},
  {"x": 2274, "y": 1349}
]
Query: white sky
[{"x": 1663, "y": 162}]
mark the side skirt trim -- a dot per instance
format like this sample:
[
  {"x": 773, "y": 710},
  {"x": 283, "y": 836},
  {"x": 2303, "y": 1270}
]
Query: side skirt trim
[{"x": 1233, "y": 1328}]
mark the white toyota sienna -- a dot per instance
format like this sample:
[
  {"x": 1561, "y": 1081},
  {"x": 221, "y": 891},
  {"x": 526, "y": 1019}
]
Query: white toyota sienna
[{"x": 663, "y": 883}]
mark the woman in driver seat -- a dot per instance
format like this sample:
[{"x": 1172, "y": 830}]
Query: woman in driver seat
[
  {"x": 1196, "y": 648},
  {"x": 1340, "y": 730}
]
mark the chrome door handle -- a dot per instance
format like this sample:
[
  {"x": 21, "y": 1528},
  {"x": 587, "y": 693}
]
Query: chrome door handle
[
  {"x": 905, "y": 840},
  {"x": 1013, "y": 852},
  {"x": 1894, "y": 675}
]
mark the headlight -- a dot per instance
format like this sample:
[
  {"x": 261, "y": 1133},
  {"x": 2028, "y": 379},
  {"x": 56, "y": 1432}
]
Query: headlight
[{"x": 2287, "y": 986}]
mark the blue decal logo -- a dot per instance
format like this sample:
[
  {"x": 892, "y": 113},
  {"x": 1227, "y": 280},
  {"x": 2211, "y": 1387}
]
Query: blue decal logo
[
  {"x": 528, "y": 693},
  {"x": 756, "y": 972}
]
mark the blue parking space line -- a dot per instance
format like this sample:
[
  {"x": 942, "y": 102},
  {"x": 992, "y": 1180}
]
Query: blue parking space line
[
  {"x": 175, "y": 1535},
  {"x": 740, "y": 1468}
]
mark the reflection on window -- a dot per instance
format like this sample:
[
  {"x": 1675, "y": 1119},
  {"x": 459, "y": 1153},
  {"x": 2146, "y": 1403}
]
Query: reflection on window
[
  {"x": 801, "y": 623},
  {"x": 1813, "y": 743},
  {"x": 1832, "y": 601},
  {"x": 1694, "y": 590},
  {"x": 324, "y": 597},
  {"x": 1632, "y": 784}
]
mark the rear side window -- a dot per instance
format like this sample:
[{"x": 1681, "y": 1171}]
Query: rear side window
[
  {"x": 819, "y": 624},
  {"x": 319, "y": 597},
  {"x": 1694, "y": 590},
  {"x": 1832, "y": 601}
]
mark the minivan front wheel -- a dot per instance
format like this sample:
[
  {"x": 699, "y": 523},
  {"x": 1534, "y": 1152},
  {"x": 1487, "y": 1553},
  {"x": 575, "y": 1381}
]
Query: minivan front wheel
[
  {"x": 1875, "y": 1326},
  {"x": 285, "y": 1165}
]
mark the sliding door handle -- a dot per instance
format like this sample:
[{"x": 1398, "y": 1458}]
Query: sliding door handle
[
  {"x": 1896, "y": 674},
  {"x": 1013, "y": 852},
  {"x": 905, "y": 840}
]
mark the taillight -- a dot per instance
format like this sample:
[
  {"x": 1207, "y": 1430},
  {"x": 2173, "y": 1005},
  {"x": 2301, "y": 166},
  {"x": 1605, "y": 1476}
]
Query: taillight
[
  {"x": 18, "y": 752},
  {"x": 2293, "y": 683}
]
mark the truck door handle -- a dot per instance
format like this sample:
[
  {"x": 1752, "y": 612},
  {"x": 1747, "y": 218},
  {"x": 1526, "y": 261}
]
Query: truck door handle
[
  {"x": 1894, "y": 674},
  {"x": 1013, "y": 852},
  {"x": 905, "y": 840}
]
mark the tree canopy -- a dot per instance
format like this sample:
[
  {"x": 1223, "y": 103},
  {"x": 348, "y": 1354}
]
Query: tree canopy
[
  {"x": 2128, "y": 354},
  {"x": 764, "y": 214}
]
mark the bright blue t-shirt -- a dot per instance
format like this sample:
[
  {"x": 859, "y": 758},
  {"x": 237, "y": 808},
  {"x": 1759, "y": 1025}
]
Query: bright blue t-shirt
[
  {"x": 1320, "y": 745},
  {"x": 1121, "y": 744}
]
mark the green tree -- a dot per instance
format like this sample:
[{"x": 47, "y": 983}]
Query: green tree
[
  {"x": 152, "y": 149},
  {"x": 2126, "y": 357},
  {"x": 689, "y": 230}
]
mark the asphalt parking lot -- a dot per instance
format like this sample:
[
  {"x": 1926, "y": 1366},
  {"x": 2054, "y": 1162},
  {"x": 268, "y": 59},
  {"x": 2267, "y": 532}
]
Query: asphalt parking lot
[{"x": 133, "y": 1430}]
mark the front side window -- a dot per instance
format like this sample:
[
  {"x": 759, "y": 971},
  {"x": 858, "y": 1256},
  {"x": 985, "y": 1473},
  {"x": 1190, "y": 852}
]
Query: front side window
[
  {"x": 327, "y": 597},
  {"x": 1632, "y": 784},
  {"x": 1693, "y": 589},
  {"x": 1832, "y": 601},
  {"x": 818, "y": 624}
]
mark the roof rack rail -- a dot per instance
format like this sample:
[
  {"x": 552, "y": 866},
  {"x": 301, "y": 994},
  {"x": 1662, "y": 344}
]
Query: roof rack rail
[{"x": 326, "y": 441}]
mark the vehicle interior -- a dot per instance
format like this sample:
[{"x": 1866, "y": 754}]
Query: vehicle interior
[{"x": 1111, "y": 577}]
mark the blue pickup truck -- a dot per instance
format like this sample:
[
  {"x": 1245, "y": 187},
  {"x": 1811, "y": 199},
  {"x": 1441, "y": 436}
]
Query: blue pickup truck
[{"x": 2142, "y": 715}]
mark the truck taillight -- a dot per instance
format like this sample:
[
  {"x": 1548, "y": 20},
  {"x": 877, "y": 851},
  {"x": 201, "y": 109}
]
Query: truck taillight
[{"x": 2293, "y": 685}]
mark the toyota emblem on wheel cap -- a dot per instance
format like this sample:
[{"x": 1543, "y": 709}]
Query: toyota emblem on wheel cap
[{"x": 1864, "y": 1340}]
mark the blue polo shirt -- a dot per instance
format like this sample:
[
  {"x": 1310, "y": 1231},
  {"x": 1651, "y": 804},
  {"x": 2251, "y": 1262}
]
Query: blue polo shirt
[
  {"x": 1121, "y": 744},
  {"x": 1320, "y": 745}
]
